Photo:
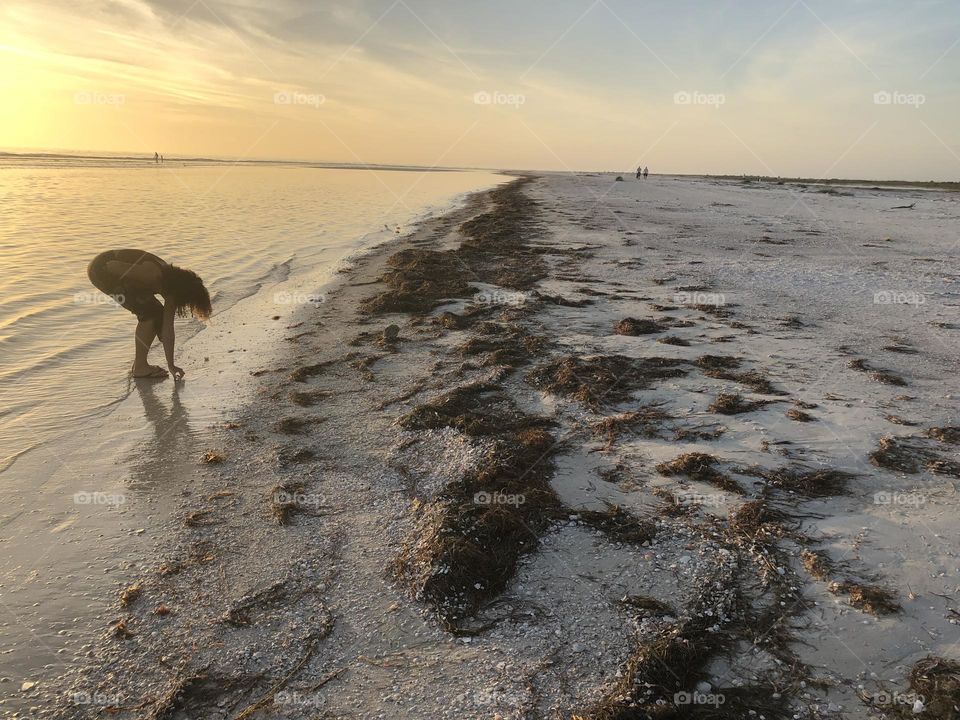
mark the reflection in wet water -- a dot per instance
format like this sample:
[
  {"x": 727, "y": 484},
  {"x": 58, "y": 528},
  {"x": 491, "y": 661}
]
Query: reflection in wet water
[{"x": 172, "y": 439}]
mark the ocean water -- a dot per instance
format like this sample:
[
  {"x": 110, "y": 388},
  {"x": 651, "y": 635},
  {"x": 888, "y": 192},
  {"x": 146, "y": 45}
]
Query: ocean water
[
  {"x": 93, "y": 466},
  {"x": 65, "y": 346}
]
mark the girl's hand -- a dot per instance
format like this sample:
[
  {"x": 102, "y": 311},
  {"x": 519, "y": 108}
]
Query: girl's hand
[{"x": 176, "y": 372}]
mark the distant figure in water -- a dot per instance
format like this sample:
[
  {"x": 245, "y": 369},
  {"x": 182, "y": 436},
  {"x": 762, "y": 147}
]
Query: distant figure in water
[
  {"x": 646, "y": 171},
  {"x": 156, "y": 157},
  {"x": 133, "y": 278}
]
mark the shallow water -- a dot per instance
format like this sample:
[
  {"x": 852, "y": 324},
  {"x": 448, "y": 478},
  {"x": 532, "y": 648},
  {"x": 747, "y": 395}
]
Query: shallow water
[
  {"x": 91, "y": 464},
  {"x": 65, "y": 346}
]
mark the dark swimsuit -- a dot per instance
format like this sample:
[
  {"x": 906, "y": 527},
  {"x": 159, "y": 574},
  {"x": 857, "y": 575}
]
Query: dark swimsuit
[{"x": 140, "y": 302}]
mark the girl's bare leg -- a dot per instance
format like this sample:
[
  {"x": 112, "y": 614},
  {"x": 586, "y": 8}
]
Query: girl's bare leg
[{"x": 146, "y": 332}]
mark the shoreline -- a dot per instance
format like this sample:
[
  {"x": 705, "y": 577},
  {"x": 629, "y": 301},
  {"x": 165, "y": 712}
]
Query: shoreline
[
  {"x": 338, "y": 559},
  {"x": 134, "y": 462}
]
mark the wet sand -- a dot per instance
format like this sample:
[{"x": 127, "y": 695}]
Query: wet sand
[{"x": 515, "y": 504}]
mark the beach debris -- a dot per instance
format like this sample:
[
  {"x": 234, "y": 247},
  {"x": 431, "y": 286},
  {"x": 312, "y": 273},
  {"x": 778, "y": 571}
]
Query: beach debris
[
  {"x": 734, "y": 404},
  {"x": 647, "y": 421},
  {"x": 304, "y": 372},
  {"x": 306, "y": 398},
  {"x": 799, "y": 415},
  {"x": 911, "y": 206},
  {"x": 121, "y": 630},
  {"x": 810, "y": 483},
  {"x": 944, "y": 434},
  {"x": 27, "y": 686},
  {"x": 717, "y": 362},
  {"x": 473, "y": 409},
  {"x": 603, "y": 379},
  {"x": 562, "y": 301},
  {"x": 295, "y": 424},
  {"x": 873, "y": 599},
  {"x": 817, "y": 563},
  {"x": 673, "y": 340},
  {"x": 419, "y": 281},
  {"x": 634, "y": 327},
  {"x": 162, "y": 609},
  {"x": 470, "y": 537},
  {"x": 755, "y": 519},
  {"x": 645, "y": 606},
  {"x": 494, "y": 250},
  {"x": 618, "y": 524},
  {"x": 130, "y": 594},
  {"x": 911, "y": 454},
  {"x": 293, "y": 455},
  {"x": 673, "y": 662},
  {"x": 937, "y": 681},
  {"x": 199, "y": 518},
  {"x": 213, "y": 457},
  {"x": 702, "y": 468},
  {"x": 707, "y": 431},
  {"x": 753, "y": 379},
  {"x": 503, "y": 344},
  {"x": 882, "y": 376},
  {"x": 364, "y": 363}
]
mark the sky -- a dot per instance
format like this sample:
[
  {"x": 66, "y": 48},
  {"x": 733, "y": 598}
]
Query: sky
[{"x": 812, "y": 88}]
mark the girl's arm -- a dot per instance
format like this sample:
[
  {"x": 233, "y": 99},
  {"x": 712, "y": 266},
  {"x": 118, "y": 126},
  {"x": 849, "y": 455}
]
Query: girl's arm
[{"x": 169, "y": 339}]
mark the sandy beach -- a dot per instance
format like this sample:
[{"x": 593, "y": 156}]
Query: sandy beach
[{"x": 682, "y": 447}]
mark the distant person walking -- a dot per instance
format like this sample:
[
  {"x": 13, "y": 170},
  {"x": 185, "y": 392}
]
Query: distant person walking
[
  {"x": 639, "y": 172},
  {"x": 134, "y": 278},
  {"x": 646, "y": 171}
]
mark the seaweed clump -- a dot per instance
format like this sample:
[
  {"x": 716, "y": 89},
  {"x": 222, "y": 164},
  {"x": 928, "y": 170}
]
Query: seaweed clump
[
  {"x": 476, "y": 409},
  {"x": 734, "y": 404},
  {"x": 470, "y": 537},
  {"x": 647, "y": 421},
  {"x": 702, "y": 468},
  {"x": 503, "y": 344},
  {"x": 602, "y": 379},
  {"x": 873, "y": 599},
  {"x": 910, "y": 455},
  {"x": 634, "y": 327},
  {"x": 937, "y": 680},
  {"x": 810, "y": 483}
]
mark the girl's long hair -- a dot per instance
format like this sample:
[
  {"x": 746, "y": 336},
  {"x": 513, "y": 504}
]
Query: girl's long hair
[{"x": 186, "y": 290}]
